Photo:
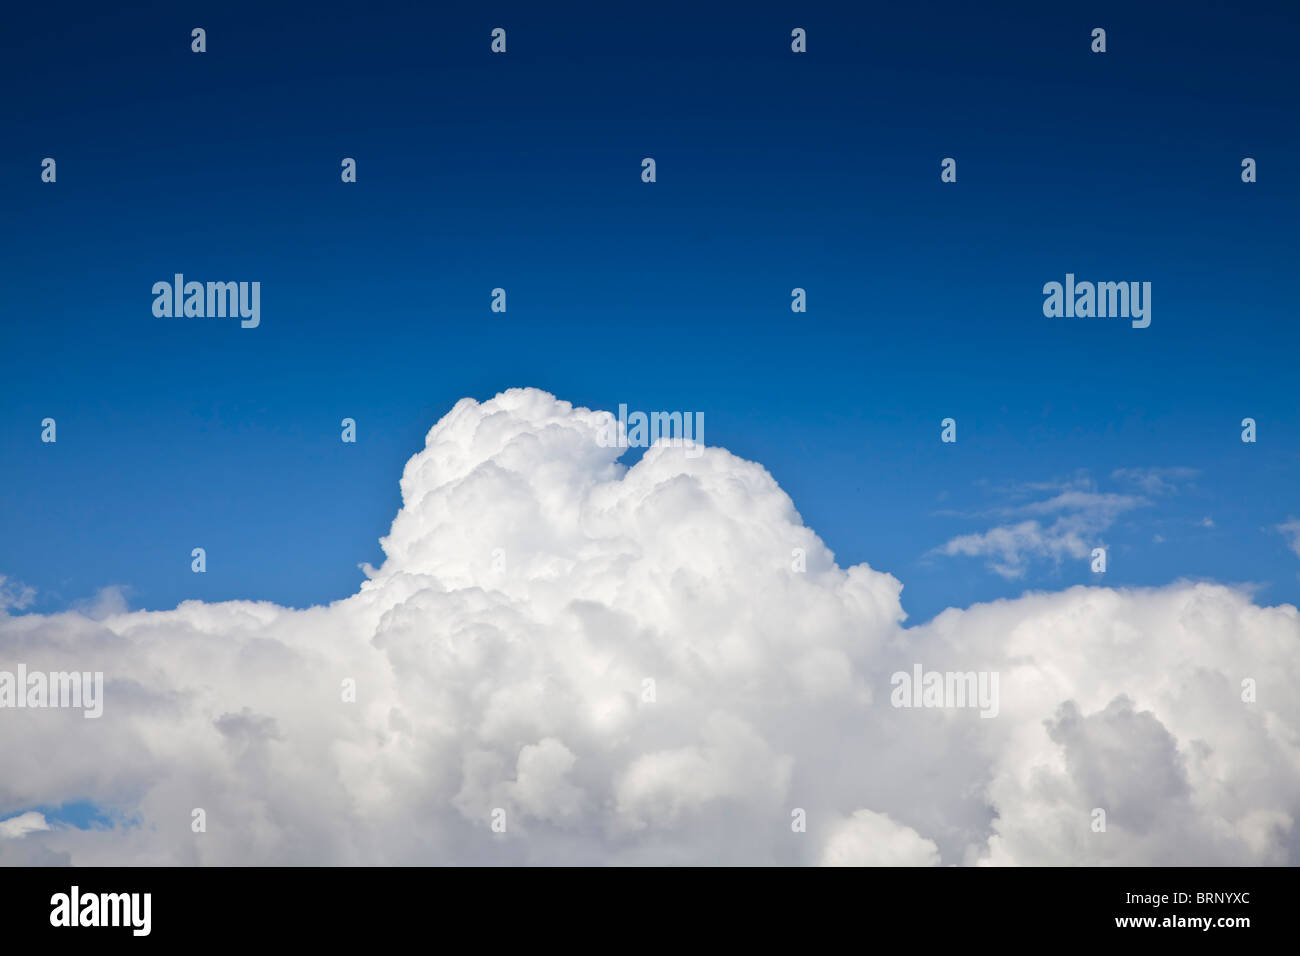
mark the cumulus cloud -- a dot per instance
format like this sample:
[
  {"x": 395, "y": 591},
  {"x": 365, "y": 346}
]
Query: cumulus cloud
[
  {"x": 872, "y": 839},
  {"x": 621, "y": 665},
  {"x": 22, "y": 824}
]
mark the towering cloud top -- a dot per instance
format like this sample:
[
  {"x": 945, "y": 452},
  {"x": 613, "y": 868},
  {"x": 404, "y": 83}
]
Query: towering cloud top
[{"x": 564, "y": 659}]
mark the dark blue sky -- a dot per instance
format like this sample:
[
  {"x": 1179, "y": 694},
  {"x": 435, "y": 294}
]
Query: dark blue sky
[{"x": 775, "y": 170}]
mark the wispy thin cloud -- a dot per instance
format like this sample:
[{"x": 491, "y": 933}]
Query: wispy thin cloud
[
  {"x": 15, "y": 594},
  {"x": 1157, "y": 481},
  {"x": 1081, "y": 513},
  {"x": 1290, "y": 529}
]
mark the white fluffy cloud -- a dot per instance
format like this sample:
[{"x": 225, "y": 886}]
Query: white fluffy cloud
[
  {"x": 22, "y": 824},
  {"x": 872, "y": 839},
  {"x": 623, "y": 660}
]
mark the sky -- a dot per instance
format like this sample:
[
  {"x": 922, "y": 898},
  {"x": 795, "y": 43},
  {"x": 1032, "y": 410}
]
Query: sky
[{"x": 774, "y": 171}]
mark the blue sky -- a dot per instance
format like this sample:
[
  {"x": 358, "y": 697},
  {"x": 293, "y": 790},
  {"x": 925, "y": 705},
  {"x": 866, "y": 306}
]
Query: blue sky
[{"x": 775, "y": 170}]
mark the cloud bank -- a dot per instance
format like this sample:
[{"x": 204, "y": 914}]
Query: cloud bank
[{"x": 623, "y": 666}]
